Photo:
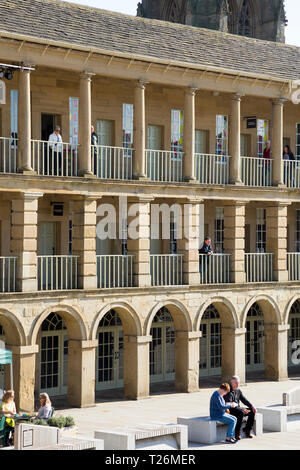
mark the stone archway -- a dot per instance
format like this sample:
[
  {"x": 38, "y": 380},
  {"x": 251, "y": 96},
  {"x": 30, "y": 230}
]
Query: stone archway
[{"x": 264, "y": 329}]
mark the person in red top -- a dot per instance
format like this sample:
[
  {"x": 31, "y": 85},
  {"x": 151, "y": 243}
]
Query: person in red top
[
  {"x": 267, "y": 150},
  {"x": 267, "y": 155}
]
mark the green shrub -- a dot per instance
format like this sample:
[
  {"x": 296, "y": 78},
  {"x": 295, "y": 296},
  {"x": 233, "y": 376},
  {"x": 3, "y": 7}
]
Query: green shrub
[
  {"x": 40, "y": 422},
  {"x": 69, "y": 421},
  {"x": 59, "y": 422}
]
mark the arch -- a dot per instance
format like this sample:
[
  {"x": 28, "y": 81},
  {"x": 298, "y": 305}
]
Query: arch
[
  {"x": 246, "y": 19},
  {"x": 225, "y": 309},
  {"x": 75, "y": 324},
  {"x": 13, "y": 328},
  {"x": 268, "y": 306},
  {"x": 287, "y": 310},
  {"x": 179, "y": 314},
  {"x": 130, "y": 319}
]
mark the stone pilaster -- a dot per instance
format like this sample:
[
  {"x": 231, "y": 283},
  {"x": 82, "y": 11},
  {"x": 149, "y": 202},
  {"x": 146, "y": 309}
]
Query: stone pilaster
[
  {"x": 138, "y": 243},
  {"x": 136, "y": 367},
  {"x": 234, "y": 240},
  {"x": 24, "y": 124},
  {"x": 277, "y": 142},
  {"x": 189, "y": 135},
  {"x": 188, "y": 245},
  {"x": 277, "y": 239},
  {"x": 85, "y": 123},
  {"x": 187, "y": 361},
  {"x": 276, "y": 351},
  {"x": 81, "y": 372},
  {"x": 233, "y": 353},
  {"x": 235, "y": 140},
  {"x": 84, "y": 221},
  {"x": 139, "y": 131},
  {"x": 24, "y": 220},
  {"x": 24, "y": 376}
]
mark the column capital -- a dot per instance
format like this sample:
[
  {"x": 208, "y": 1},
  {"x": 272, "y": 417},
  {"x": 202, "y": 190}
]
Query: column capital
[
  {"x": 86, "y": 344},
  {"x": 138, "y": 199},
  {"x": 279, "y": 101},
  {"x": 195, "y": 200},
  {"x": 236, "y": 203},
  {"x": 30, "y": 196},
  {"x": 24, "y": 350},
  {"x": 138, "y": 339},
  {"x": 191, "y": 90},
  {"x": 141, "y": 83},
  {"x": 281, "y": 204},
  {"x": 237, "y": 97},
  {"x": 86, "y": 75}
]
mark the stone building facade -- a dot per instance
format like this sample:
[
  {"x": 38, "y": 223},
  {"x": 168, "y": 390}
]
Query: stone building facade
[
  {"x": 185, "y": 128},
  {"x": 253, "y": 18}
]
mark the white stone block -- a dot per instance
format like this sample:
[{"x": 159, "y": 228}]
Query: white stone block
[{"x": 274, "y": 418}]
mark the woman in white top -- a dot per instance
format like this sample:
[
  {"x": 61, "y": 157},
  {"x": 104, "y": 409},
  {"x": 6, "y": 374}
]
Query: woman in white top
[{"x": 45, "y": 409}]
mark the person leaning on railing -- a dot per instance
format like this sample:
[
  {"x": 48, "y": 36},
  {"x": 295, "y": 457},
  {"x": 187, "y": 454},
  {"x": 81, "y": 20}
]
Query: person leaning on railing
[
  {"x": 205, "y": 250},
  {"x": 55, "y": 147}
]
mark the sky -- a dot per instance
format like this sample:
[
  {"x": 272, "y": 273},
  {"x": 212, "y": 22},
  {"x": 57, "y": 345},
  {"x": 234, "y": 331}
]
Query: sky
[{"x": 129, "y": 7}]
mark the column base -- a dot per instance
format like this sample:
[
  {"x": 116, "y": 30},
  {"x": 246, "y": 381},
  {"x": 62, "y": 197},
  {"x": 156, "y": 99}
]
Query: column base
[
  {"x": 279, "y": 185},
  {"x": 190, "y": 179},
  {"x": 26, "y": 171},
  {"x": 237, "y": 183},
  {"x": 86, "y": 174},
  {"x": 141, "y": 178}
]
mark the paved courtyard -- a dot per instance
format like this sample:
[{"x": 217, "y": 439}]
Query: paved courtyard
[{"x": 166, "y": 407}]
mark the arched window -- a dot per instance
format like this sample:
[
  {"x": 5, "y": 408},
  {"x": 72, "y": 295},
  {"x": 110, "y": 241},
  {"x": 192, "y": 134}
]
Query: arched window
[
  {"x": 245, "y": 26},
  {"x": 162, "y": 316},
  {"x": 110, "y": 319},
  {"x": 255, "y": 311},
  {"x": 174, "y": 11},
  {"x": 211, "y": 313},
  {"x": 53, "y": 322}
]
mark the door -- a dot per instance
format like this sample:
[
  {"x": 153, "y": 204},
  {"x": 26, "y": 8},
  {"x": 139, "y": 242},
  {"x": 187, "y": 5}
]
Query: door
[
  {"x": 54, "y": 356},
  {"x": 210, "y": 344},
  {"x": 104, "y": 156},
  {"x": 110, "y": 353},
  {"x": 47, "y": 248},
  {"x": 162, "y": 348},
  {"x": 155, "y": 159},
  {"x": 255, "y": 339},
  {"x": 49, "y": 121},
  {"x": 201, "y": 141}
]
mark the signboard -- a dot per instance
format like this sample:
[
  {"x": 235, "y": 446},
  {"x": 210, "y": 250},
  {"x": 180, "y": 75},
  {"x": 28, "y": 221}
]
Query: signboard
[
  {"x": 2, "y": 92},
  {"x": 28, "y": 438},
  {"x": 251, "y": 122},
  {"x": 74, "y": 111}
]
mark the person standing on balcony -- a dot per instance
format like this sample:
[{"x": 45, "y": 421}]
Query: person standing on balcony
[
  {"x": 55, "y": 150},
  {"x": 94, "y": 143},
  {"x": 267, "y": 156},
  {"x": 203, "y": 260},
  {"x": 289, "y": 168}
]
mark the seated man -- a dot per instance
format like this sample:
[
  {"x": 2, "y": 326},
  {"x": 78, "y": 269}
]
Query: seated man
[{"x": 236, "y": 396}]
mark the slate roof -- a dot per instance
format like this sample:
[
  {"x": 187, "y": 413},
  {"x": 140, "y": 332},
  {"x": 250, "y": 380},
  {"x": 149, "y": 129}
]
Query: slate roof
[{"x": 56, "y": 20}]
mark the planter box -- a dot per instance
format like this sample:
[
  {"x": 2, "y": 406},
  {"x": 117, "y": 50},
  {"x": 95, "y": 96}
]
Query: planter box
[{"x": 70, "y": 431}]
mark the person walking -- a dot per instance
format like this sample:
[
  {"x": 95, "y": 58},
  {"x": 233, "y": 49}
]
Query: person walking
[
  {"x": 236, "y": 396},
  {"x": 218, "y": 411}
]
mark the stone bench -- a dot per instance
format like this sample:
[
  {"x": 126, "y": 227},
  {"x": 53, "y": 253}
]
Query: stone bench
[
  {"x": 274, "y": 418},
  {"x": 204, "y": 430},
  {"x": 148, "y": 436},
  {"x": 75, "y": 443}
]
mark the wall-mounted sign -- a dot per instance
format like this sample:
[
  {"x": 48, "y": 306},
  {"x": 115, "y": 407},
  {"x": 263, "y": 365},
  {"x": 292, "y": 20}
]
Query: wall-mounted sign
[
  {"x": 28, "y": 438},
  {"x": 251, "y": 122},
  {"x": 2, "y": 92}
]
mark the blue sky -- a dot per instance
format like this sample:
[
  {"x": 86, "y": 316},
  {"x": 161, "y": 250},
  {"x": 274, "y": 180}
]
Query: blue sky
[{"x": 129, "y": 7}]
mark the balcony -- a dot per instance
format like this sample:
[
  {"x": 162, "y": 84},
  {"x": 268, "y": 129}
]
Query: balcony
[
  {"x": 293, "y": 263},
  {"x": 112, "y": 162},
  {"x": 214, "y": 269},
  {"x": 166, "y": 270},
  {"x": 8, "y": 267},
  {"x": 57, "y": 272},
  {"x": 257, "y": 171},
  {"x": 54, "y": 159},
  {"x": 114, "y": 271},
  {"x": 211, "y": 169},
  {"x": 259, "y": 267},
  {"x": 291, "y": 174},
  {"x": 8, "y": 155},
  {"x": 164, "y": 166}
]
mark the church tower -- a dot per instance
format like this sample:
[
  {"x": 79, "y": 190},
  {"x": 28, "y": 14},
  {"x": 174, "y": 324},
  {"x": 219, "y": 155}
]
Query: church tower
[{"x": 261, "y": 19}]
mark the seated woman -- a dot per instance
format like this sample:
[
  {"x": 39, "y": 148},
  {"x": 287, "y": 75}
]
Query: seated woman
[
  {"x": 218, "y": 409},
  {"x": 8, "y": 409},
  {"x": 45, "y": 408}
]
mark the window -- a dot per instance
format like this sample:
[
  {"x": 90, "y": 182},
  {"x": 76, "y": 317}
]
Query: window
[
  {"x": 246, "y": 20},
  {"x": 176, "y": 132},
  {"x": 262, "y": 136},
  {"x": 14, "y": 118},
  {"x": 298, "y": 141},
  {"x": 297, "y": 232},
  {"x": 73, "y": 110},
  {"x": 154, "y": 137},
  {"x": 261, "y": 238},
  {"x": 173, "y": 235},
  {"x": 219, "y": 230},
  {"x": 105, "y": 133},
  {"x": 128, "y": 126},
  {"x": 221, "y": 135},
  {"x": 201, "y": 140}
]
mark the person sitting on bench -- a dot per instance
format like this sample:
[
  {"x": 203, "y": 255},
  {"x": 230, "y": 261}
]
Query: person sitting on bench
[
  {"x": 236, "y": 396},
  {"x": 219, "y": 409}
]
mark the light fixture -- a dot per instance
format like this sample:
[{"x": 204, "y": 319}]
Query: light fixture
[
  {"x": 8, "y": 74},
  {"x": 1, "y": 73}
]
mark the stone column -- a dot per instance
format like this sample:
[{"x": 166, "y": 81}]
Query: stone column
[
  {"x": 277, "y": 239},
  {"x": 188, "y": 245},
  {"x": 139, "y": 131},
  {"x": 24, "y": 124},
  {"x": 277, "y": 142},
  {"x": 85, "y": 123},
  {"x": 234, "y": 240},
  {"x": 189, "y": 135},
  {"x": 81, "y": 372},
  {"x": 24, "y": 376},
  {"x": 235, "y": 140},
  {"x": 84, "y": 220},
  {"x": 187, "y": 361},
  {"x": 136, "y": 367},
  {"x": 233, "y": 353},
  {"x": 138, "y": 243},
  {"x": 24, "y": 221},
  {"x": 276, "y": 351}
]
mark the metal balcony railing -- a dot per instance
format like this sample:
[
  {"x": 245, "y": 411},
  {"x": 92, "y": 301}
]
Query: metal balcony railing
[
  {"x": 259, "y": 267},
  {"x": 8, "y": 155},
  {"x": 8, "y": 266},
  {"x": 165, "y": 166},
  {"x": 114, "y": 271},
  {"x": 54, "y": 159},
  {"x": 257, "y": 171},
  {"x": 214, "y": 269},
  {"x": 291, "y": 174},
  {"x": 293, "y": 263},
  {"x": 211, "y": 169},
  {"x": 166, "y": 270},
  {"x": 57, "y": 272},
  {"x": 112, "y": 162}
]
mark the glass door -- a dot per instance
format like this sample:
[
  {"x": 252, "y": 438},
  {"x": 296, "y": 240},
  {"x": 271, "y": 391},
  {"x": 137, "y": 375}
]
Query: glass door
[
  {"x": 211, "y": 344},
  {"x": 255, "y": 339},
  {"x": 162, "y": 348}
]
